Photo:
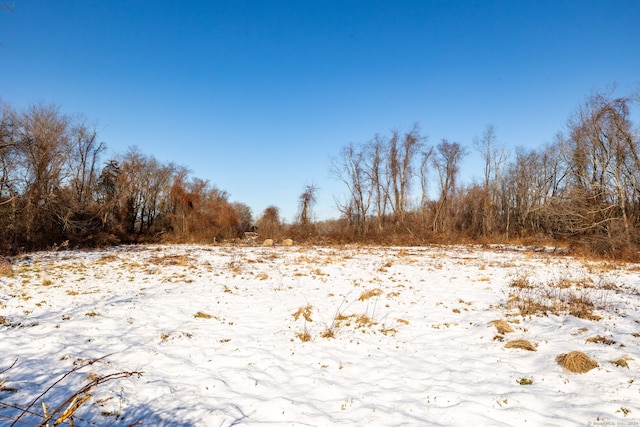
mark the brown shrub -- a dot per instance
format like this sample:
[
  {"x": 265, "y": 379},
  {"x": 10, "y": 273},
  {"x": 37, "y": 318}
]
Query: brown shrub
[
  {"x": 576, "y": 362},
  {"x": 5, "y": 267}
]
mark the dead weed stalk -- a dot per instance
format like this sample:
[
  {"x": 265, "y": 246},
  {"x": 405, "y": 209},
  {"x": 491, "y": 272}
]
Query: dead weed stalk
[
  {"x": 65, "y": 411},
  {"x": 579, "y": 298}
]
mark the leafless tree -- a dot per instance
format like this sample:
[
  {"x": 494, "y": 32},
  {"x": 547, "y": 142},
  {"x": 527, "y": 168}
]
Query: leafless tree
[
  {"x": 602, "y": 153},
  {"x": 401, "y": 158},
  {"x": 350, "y": 168},
  {"x": 306, "y": 201},
  {"x": 447, "y": 163},
  {"x": 495, "y": 160}
]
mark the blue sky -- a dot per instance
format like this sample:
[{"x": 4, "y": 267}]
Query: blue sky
[{"x": 257, "y": 96}]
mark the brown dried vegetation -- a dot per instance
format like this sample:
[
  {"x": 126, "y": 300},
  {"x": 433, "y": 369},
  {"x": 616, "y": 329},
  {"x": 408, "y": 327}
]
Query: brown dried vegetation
[{"x": 576, "y": 362}]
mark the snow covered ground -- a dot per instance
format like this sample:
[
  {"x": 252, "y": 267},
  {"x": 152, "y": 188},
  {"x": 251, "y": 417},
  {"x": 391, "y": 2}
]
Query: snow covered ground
[{"x": 291, "y": 336}]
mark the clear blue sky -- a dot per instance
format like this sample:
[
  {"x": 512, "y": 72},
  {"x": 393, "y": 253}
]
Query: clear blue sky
[{"x": 257, "y": 96}]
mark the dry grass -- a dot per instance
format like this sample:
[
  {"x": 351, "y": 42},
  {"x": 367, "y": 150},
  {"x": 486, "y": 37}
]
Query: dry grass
[
  {"x": 304, "y": 336},
  {"x": 521, "y": 344},
  {"x": 578, "y": 298},
  {"x": 6, "y": 270},
  {"x": 621, "y": 362},
  {"x": 576, "y": 362},
  {"x": 502, "y": 326},
  {"x": 108, "y": 258},
  {"x": 304, "y": 312},
  {"x": 178, "y": 260},
  {"x": 202, "y": 315},
  {"x": 599, "y": 339},
  {"x": 370, "y": 294}
]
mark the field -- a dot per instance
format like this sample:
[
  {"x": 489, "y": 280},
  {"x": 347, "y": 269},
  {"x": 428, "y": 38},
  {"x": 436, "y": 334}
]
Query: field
[{"x": 291, "y": 336}]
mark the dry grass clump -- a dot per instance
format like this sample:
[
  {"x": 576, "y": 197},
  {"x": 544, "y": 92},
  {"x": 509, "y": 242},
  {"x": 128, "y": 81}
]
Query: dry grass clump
[
  {"x": 521, "y": 344},
  {"x": 599, "y": 339},
  {"x": 576, "y": 362},
  {"x": 304, "y": 336},
  {"x": 179, "y": 260},
  {"x": 107, "y": 258},
  {"x": 304, "y": 312},
  {"x": 370, "y": 294},
  {"x": 202, "y": 315},
  {"x": 502, "y": 326},
  {"x": 621, "y": 362}
]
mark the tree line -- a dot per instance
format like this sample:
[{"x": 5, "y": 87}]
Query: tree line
[
  {"x": 56, "y": 187},
  {"x": 584, "y": 188}
]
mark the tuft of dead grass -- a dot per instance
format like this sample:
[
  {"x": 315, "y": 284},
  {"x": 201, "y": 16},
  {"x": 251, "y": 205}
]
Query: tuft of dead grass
[
  {"x": 304, "y": 336},
  {"x": 202, "y": 315},
  {"x": 107, "y": 258},
  {"x": 621, "y": 362},
  {"x": 576, "y": 362},
  {"x": 370, "y": 294},
  {"x": 178, "y": 260},
  {"x": 304, "y": 312},
  {"x": 521, "y": 344},
  {"x": 502, "y": 326},
  {"x": 599, "y": 339}
]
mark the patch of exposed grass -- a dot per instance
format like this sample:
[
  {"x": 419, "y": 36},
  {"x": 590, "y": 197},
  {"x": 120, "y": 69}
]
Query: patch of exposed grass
[
  {"x": 370, "y": 294},
  {"x": 202, "y": 315},
  {"x": 502, "y": 326},
  {"x": 107, "y": 259},
  {"x": 521, "y": 344},
  {"x": 304, "y": 312},
  {"x": 599, "y": 339},
  {"x": 621, "y": 362},
  {"x": 304, "y": 336},
  {"x": 525, "y": 381},
  {"x": 178, "y": 260},
  {"x": 578, "y": 298},
  {"x": 576, "y": 362}
]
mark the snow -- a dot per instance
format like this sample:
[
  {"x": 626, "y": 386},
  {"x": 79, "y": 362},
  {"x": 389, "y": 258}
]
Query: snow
[{"x": 212, "y": 329}]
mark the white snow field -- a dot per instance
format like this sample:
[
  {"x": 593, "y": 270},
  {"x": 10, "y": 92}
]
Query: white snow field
[{"x": 320, "y": 336}]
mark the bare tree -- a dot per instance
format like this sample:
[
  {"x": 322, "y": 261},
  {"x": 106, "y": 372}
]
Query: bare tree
[
  {"x": 43, "y": 139},
  {"x": 375, "y": 158},
  {"x": 401, "y": 157},
  {"x": 447, "y": 162},
  {"x": 602, "y": 155},
  {"x": 350, "y": 168},
  {"x": 495, "y": 160},
  {"x": 306, "y": 201}
]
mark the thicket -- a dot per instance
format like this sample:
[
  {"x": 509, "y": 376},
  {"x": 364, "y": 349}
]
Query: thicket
[
  {"x": 56, "y": 187},
  {"x": 583, "y": 189}
]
